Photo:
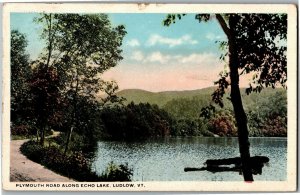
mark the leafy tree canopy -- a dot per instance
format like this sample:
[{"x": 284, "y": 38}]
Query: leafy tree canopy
[
  {"x": 260, "y": 42},
  {"x": 81, "y": 47},
  {"x": 20, "y": 72}
]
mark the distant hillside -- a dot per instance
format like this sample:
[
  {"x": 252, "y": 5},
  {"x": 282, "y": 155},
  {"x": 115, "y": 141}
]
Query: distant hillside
[
  {"x": 189, "y": 103},
  {"x": 161, "y": 98}
]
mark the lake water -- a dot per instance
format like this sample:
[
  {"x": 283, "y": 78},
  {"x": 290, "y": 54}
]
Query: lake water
[{"x": 165, "y": 159}]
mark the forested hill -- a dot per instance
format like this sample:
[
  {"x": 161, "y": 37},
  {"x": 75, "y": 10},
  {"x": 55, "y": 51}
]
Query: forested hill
[
  {"x": 161, "y": 98},
  {"x": 165, "y": 97},
  {"x": 178, "y": 114}
]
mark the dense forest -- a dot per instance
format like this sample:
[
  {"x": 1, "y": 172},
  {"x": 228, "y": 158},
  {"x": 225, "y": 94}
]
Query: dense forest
[{"x": 184, "y": 109}]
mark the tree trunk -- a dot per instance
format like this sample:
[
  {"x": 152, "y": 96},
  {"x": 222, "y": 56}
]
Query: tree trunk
[
  {"x": 37, "y": 135},
  {"x": 42, "y": 136},
  {"x": 236, "y": 100},
  {"x": 74, "y": 117},
  {"x": 68, "y": 140},
  {"x": 49, "y": 39}
]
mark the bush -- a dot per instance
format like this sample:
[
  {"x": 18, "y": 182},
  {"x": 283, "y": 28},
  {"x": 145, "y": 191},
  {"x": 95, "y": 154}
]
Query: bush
[
  {"x": 223, "y": 125},
  {"x": 117, "y": 173},
  {"x": 275, "y": 127},
  {"x": 74, "y": 165},
  {"x": 22, "y": 130},
  {"x": 33, "y": 151}
]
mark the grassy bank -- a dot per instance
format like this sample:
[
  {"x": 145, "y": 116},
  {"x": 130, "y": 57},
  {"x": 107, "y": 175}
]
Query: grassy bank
[{"x": 73, "y": 164}]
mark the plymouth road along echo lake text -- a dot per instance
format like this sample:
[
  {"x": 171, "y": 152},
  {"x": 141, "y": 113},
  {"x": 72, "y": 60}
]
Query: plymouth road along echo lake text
[{"x": 76, "y": 185}]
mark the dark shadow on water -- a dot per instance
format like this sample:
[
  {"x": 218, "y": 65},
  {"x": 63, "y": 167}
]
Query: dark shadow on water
[{"x": 232, "y": 165}]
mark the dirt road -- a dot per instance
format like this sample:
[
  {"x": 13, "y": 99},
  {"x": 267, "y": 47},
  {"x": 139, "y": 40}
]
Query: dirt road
[{"x": 23, "y": 169}]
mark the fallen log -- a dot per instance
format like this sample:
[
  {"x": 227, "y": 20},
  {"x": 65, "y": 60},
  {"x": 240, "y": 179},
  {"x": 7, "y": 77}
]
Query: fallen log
[
  {"x": 213, "y": 169},
  {"x": 223, "y": 165},
  {"x": 236, "y": 161}
]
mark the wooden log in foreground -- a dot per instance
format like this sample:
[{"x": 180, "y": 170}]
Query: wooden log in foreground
[
  {"x": 213, "y": 169},
  {"x": 221, "y": 165},
  {"x": 236, "y": 161}
]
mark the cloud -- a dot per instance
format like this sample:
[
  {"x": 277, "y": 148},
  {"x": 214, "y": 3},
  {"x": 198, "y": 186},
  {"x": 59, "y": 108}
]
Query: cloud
[
  {"x": 194, "y": 59},
  {"x": 213, "y": 37},
  {"x": 171, "y": 42},
  {"x": 158, "y": 57},
  {"x": 199, "y": 58},
  {"x": 133, "y": 43},
  {"x": 137, "y": 56}
]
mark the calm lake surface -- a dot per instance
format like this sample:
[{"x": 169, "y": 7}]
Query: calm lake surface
[{"x": 165, "y": 159}]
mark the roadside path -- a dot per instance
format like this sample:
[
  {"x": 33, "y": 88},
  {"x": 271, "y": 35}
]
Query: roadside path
[{"x": 23, "y": 169}]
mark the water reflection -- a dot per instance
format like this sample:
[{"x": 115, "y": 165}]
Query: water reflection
[{"x": 165, "y": 159}]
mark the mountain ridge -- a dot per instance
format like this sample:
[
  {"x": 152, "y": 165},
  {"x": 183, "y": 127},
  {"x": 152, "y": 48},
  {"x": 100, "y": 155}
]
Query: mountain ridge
[{"x": 162, "y": 97}]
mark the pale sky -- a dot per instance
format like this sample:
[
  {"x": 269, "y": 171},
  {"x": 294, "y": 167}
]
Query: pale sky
[{"x": 184, "y": 56}]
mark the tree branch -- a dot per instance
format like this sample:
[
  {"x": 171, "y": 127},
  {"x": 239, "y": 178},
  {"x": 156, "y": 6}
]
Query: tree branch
[{"x": 223, "y": 25}]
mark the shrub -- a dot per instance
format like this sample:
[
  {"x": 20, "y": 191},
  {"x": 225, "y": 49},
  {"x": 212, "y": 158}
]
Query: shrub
[
  {"x": 22, "y": 130},
  {"x": 55, "y": 160},
  {"x": 74, "y": 165},
  {"x": 117, "y": 173},
  {"x": 222, "y": 125},
  {"x": 275, "y": 127},
  {"x": 33, "y": 151}
]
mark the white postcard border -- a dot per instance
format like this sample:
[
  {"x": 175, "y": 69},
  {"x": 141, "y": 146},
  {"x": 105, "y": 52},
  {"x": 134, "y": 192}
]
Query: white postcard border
[{"x": 288, "y": 185}]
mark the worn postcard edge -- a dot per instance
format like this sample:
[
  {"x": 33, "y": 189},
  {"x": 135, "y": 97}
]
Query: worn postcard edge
[{"x": 291, "y": 10}]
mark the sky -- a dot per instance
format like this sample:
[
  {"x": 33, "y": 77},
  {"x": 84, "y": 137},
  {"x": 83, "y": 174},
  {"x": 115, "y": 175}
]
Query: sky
[{"x": 184, "y": 56}]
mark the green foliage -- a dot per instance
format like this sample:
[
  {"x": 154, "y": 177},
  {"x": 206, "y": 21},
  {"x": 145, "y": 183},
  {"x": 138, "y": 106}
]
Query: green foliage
[
  {"x": 46, "y": 98},
  {"x": 208, "y": 111},
  {"x": 275, "y": 127},
  {"x": 222, "y": 124},
  {"x": 260, "y": 113},
  {"x": 80, "y": 47},
  {"x": 73, "y": 165},
  {"x": 135, "y": 121},
  {"x": 263, "y": 48},
  {"x": 20, "y": 73},
  {"x": 162, "y": 98},
  {"x": 185, "y": 127},
  {"x": 23, "y": 130},
  {"x": 171, "y": 19},
  {"x": 44, "y": 87},
  {"x": 190, "y": 127},
  {"x": 260, "y": 47},
  {"x": 58, "y": 89},
  {"x": 115, "y": 172},
  {"x": 88, "y": 126},
  {"x": 33, "y": 151},
  {"x": 186, "y": 106}
]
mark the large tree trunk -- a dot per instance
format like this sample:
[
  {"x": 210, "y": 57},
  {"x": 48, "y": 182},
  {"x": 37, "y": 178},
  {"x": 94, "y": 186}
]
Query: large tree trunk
[{"x": 236, "y": 100}]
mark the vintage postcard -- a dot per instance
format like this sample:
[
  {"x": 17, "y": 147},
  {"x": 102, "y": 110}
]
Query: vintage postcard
[{"x": 149, "y": 97}]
